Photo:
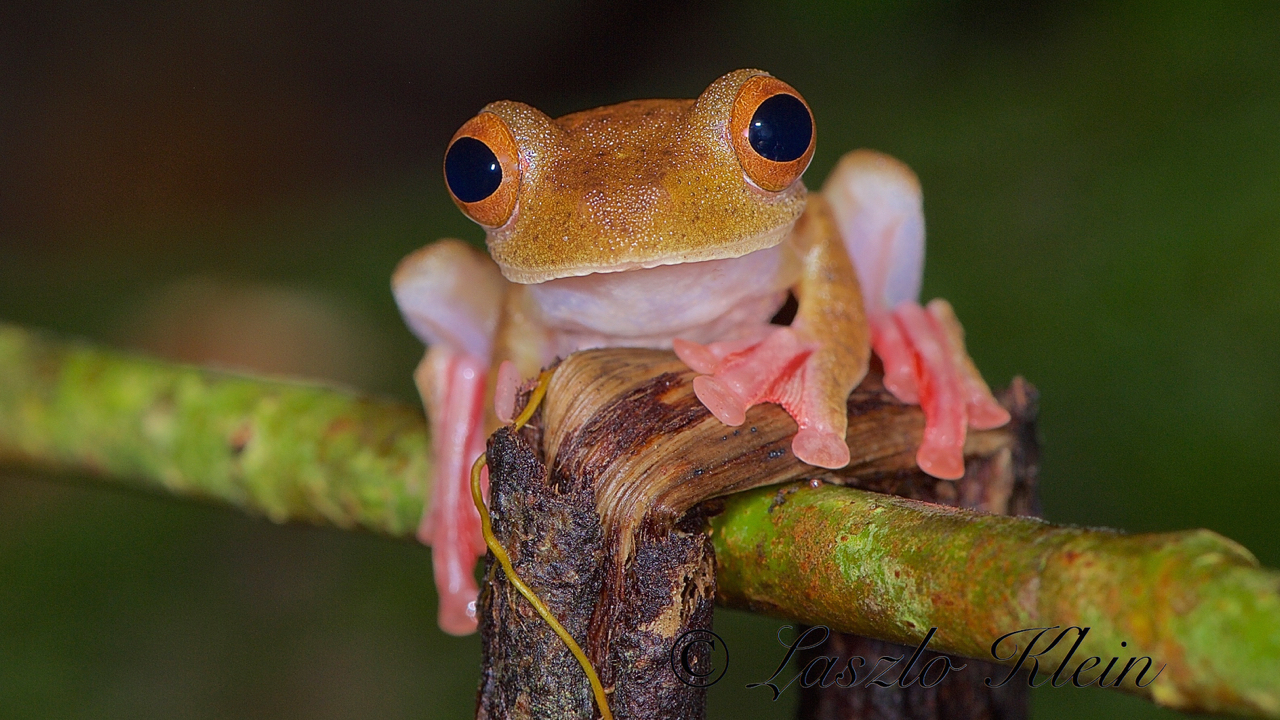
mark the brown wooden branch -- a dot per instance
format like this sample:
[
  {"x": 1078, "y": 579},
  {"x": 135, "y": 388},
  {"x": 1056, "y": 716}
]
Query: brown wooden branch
[{"x": 602, "y": 504}]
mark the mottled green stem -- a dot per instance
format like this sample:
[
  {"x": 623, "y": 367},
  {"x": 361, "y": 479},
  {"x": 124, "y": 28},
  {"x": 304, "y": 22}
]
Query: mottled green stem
[
  {"x": 859, "y": 562},
  {"x": 287, "y": 450},
  {"x": 891, "y": 568}
]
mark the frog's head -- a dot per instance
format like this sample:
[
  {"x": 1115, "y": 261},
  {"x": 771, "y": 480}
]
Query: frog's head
[{"x": 638, "y": 184}]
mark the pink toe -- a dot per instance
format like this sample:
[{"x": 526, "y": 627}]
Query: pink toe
[
  {"x": 987, "y": 416},
  {"x": 898, "y": 359},
  {"x": 697, "y": 357},
  {"x": 452, "y": 561},
  {"x": 943, "y": 462},
  {"x": 822, "y": 449},
  {"x": 458, "y": 613},
  {"x": 723, "y": 402}
]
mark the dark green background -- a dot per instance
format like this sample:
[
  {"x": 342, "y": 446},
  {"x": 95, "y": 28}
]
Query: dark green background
[{"x": 1103, "y": 208}]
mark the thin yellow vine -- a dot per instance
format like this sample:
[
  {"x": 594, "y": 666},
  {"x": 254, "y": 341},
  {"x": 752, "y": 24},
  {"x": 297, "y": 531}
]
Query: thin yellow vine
[{"x": 602, "y": 701}]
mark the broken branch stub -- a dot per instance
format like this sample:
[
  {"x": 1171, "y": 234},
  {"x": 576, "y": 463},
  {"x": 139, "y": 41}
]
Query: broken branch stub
[{"x": 601, "y": 504}]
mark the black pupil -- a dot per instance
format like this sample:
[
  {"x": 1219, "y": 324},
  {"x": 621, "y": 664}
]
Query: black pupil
[
  {"x": 472, "y": 170},
  {"x": 781, "y": 128}
]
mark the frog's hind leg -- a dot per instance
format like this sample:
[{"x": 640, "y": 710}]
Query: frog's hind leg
[
  {"x": 452, "y": 385},
  {"x": 877, "y": 204},
  {"x": 449, "y": 295}
]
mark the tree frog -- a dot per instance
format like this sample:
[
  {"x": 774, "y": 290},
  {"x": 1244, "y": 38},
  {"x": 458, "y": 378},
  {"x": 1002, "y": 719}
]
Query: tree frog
[{"x": 679, "y": 224}]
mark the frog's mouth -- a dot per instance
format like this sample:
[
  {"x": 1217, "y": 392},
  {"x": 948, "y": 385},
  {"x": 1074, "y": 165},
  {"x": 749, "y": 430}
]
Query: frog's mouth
[{"x": 523, "y": 263}]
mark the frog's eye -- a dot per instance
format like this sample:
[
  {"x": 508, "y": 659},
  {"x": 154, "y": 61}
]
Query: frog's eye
[
  {"x": 772, "y": 132},
  {"x": 482, "y": 170}
]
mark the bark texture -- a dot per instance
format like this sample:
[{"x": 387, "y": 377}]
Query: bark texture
[
  {"x": 553, "y": 538},
  {"x": 616, "y": 527},
  {"x": 550, "y": 528}
]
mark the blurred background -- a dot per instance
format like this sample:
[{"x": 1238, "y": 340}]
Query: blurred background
[{"x": 233, "y": 182}]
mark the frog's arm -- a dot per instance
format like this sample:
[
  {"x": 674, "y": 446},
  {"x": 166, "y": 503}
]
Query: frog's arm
[
  {"x": 811, "y": 366},
  {"x": 450, "y": 297},
  {"x": 876, "y": 201}
]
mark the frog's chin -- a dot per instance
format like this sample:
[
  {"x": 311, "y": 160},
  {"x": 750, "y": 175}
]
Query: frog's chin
[
  {"x": 712, "y": 299},
  {"x": 712, "y": 251}
]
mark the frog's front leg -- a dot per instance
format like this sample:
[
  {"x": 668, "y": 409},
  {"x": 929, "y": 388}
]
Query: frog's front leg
[
  {"x": 449, "y": 295},
  {"x": 876, "y": 201},
  {"x": 810, "y": 367}
]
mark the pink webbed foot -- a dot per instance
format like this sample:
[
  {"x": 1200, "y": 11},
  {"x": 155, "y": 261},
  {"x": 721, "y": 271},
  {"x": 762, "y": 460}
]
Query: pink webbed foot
[
  {"x": 738, "y": 374},
  {"x": 925, "y": 361},
  {"x": 452, "y": 526}
]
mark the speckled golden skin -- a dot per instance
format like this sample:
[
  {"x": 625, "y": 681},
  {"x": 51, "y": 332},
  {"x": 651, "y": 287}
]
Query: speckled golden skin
[
  {"x": 636, "y": 225},
  {"x": 634, "y": 185}
]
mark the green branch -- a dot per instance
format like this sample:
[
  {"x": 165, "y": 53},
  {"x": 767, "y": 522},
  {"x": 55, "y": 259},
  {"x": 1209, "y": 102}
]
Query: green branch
[
  {"x": 890, "y": 568},
  {"x": 856, "y": 561},
  {"x": 286, "y": 450}
]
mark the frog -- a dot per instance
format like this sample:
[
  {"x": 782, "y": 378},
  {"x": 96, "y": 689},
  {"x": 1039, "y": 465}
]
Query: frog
[{"x": 682, "y": 225}]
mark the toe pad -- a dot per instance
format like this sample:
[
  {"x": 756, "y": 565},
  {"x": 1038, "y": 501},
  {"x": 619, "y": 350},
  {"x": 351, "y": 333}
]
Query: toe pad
[{"x": 823, "y": 449}]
